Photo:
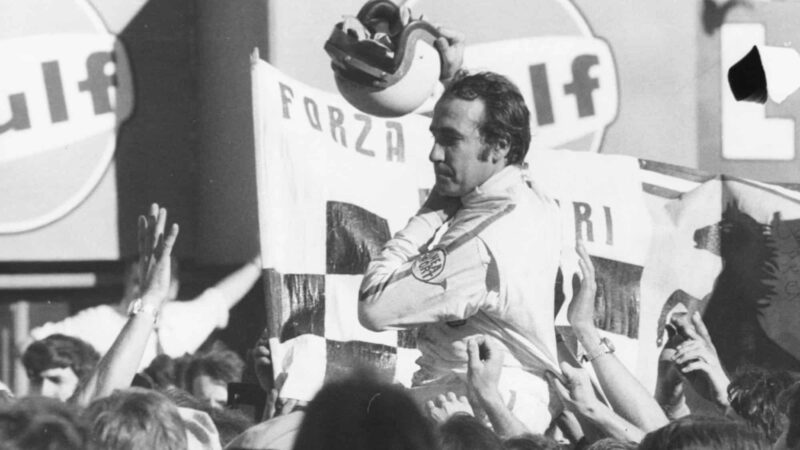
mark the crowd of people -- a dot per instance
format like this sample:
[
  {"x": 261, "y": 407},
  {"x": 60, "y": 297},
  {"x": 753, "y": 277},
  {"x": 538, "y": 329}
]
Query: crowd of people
[
  {"x": 82, "y": 400},
  {"x": 495, "y": 372}
]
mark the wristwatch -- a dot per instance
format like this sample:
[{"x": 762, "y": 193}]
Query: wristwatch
[
  {"x": 138, "y": 307},
  {"x": 605, "y": 346}
]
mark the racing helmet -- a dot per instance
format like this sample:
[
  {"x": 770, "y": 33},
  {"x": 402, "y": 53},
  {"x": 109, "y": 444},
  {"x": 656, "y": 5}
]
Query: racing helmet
[{"x": 387, "y": 64}]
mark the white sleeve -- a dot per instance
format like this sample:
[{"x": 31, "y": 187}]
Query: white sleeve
[
  {"x": 184, "y": 326},
  {"x": 443, "y": 284},
  {"x": 98, "y": 326}
]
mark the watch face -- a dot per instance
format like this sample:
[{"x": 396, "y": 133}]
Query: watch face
[{"x": 135, "y": 306}]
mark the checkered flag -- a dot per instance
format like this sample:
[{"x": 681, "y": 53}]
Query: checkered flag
[{"x": 328, "y": 201}]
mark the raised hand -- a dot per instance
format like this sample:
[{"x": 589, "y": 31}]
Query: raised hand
[
  {"x": 581, "y": 309},
  {"x": 451, "y": 50},
  {"x": 262, "y": 361},
  {"x": 697, "y": 360},
  {"x": 484, "y": 366},
  {"x": 155, "y": 250},
  {"x": 575, "y": 390},
  {"x": 445, "y": 406}
]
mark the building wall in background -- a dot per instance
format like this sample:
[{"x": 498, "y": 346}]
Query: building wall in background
[{"x": 188, "y": 142}]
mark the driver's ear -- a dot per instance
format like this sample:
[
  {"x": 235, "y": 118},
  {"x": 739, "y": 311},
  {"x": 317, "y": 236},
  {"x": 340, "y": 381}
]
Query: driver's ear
[{"x": 500, "y": 150}]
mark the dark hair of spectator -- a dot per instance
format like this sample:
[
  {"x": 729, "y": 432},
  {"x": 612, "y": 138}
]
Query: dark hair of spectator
[
  {"x": 57, "y": 351},
  {"x": 164, "y": 371},
  {"x": 135, "y": 419},
  {"x": 531, "y": 442},
  {"x": 220, "y": 365},
  {"x": 360, "y": 413},
  {"x": 611, "y": 444},
  {"x": 465, "y": 432},
  {"x": 35, "y": 423},
  {"x": 699, "y": 432},
  {"x": 229, "y": 422},
  {"x": 789, "y": 404},
  {"x": 753, "y": 394},
  {"x": 506, "y": 117}
]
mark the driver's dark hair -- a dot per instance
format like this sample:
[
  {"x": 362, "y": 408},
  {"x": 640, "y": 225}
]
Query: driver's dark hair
[{"x": 505, "y": 114}]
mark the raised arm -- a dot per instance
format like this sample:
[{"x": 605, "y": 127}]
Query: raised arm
[
  {"x": 236, "y": 285},
  {"x": 118, "y": 366},
  {"x": 451, "y": 50},
  {"x": 625, "y": 393},
  {"x": 402, "y": 287},
  {"x": 697, "y": 361},
  {"x": 577, "y": 395},
  {"x": 483, "y": 375}
]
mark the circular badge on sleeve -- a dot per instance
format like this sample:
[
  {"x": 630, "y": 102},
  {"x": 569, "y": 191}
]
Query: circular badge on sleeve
[{"x": 429, "y": 265}]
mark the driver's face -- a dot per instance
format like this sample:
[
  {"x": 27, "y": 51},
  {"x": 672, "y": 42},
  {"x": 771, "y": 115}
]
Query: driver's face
[{"x": 459, "y": 155}]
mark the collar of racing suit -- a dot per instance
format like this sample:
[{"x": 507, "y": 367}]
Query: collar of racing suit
[{"x": 501, "y": 181}]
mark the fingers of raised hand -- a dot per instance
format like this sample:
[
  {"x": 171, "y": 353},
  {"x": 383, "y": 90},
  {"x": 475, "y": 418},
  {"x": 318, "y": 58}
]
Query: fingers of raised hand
[
  {"x": 169, "y": 240},
  {"x": 695, "y": 365},
  {"x": 141, "y": 225},
  {"x": 684, "y": 326},
  {"x": 683, "y": 357},
  {"x": 451, "y": 36},
  {"x": 430, "y": 407},
  {"x": 262, "y": 352},
  {"x": 557, "y": 385},
  {"x": 585, "y": 261},
  {"x": 473, "y": 354},
  {"x": 691, "y": 344},
  {"x": 700, "y": 326}
]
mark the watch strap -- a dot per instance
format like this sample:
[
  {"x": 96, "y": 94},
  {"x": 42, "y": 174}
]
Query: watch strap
[
  {"x": 604, "y": 347},
  {"x": 138, "y": 307}
]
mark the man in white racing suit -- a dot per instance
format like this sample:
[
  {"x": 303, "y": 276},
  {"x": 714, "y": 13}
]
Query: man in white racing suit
[{"x": 481, "y": 255}]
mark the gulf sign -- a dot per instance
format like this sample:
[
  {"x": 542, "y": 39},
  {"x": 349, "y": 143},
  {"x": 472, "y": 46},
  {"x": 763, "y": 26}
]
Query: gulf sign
[
  {"x": 547, "y": 48},
  {"x": 569, "y": 83},
  {"x": 63, "y": 97}
]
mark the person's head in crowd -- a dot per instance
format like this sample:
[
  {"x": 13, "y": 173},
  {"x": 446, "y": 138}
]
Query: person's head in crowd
[
  {"x": 56, "y": 364},
  {"x": 753, "y": 395},
  {"x": 465, "y": 432},
  {"x": 699, "y": 432},
  {"x": 34, "y": 423},
  {"x": 531, "y": 442},
  {"x": 480, "y": 124},
  {"x": 229, "y": 422},
  {"x": 132, "y": 280},
  {"x": 135, "y": 419},
  {"x": 165, "y": 371},
  {"x": 789, "y": 406},
  {"x": 612, "y": 444},
  {"x": 208, "y": 375},
  {"x": 360, "y": 413}
]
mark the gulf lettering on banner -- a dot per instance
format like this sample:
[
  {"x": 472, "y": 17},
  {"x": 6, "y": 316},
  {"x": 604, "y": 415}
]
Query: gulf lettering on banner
[
  {"x": 569, "y": 83},
  {"x": 63, "y": 96},
  {"x": 567, "y": 75}
]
